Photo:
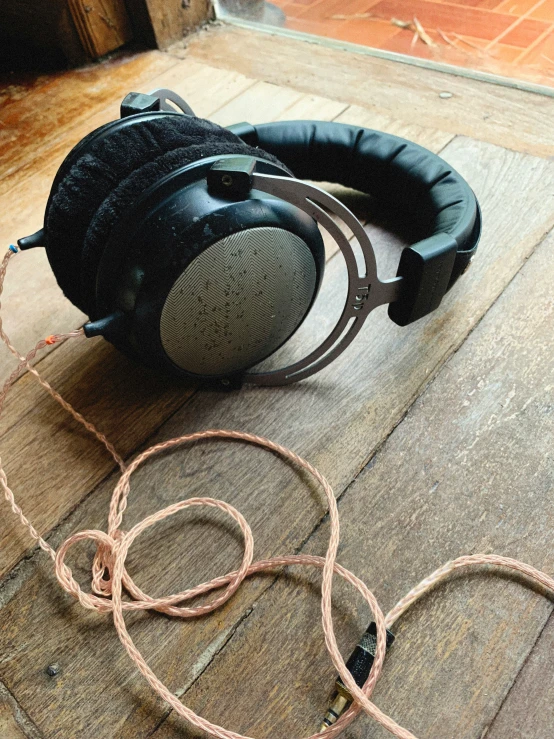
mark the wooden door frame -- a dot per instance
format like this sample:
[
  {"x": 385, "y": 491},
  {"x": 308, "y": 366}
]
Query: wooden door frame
[
  {"x": 160, "y": 23},
  {"x": 85, "y": 30}
]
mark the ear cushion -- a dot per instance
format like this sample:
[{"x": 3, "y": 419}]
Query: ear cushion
[{"x": 105, "y": 179}]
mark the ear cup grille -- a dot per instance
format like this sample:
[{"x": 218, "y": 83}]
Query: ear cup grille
[{"x": 238, "y": 301}]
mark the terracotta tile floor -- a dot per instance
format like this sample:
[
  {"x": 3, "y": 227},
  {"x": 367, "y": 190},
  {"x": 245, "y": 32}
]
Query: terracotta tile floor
[{"x": 514, "y": 38}]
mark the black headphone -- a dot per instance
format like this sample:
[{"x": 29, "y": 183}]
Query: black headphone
[{"x": 194, "y": 249}]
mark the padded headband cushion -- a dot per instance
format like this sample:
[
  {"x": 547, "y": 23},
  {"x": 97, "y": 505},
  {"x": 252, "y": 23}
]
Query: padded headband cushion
[
  {"x": 408, "y": 177},
  {"x": 105, "y": 179}
]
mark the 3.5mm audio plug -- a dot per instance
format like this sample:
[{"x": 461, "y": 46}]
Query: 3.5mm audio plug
[{"x": 359, "y": 665}]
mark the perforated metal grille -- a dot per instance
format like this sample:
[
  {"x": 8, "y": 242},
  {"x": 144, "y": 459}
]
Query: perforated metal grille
[{"x": 238, "y": 301}]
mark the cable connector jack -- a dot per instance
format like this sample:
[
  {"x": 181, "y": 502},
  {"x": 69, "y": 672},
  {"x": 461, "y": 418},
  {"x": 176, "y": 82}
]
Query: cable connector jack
[{"x": 359, "y": 665}]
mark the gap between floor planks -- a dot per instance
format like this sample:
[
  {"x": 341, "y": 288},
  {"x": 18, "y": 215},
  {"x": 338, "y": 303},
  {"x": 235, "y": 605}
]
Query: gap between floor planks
[
  {"x": 363, "y": 394},
  {"x": 14, "y": 722}
]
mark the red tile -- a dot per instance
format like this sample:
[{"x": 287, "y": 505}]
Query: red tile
[
  {"x": 459, "y": 55},
  {"x": 545, "y": 12},
  {"x": 506, "y": 53},
  {"x": 402, "y": 43},
  {"x": 497, "y": 41},
  {"x": 291, "y": 9},
  {"x": 541, "y": 53},
  {"x": 523, "y": 35},
  {"x": 432, "y": 15},
  {"x": 483, "y": 4},
  {"x": 305, "y": 2},
  {"x": 325, "y": 9},
  {"x": 306, "y": 25},
  {"x": 367, "y": 32},
  {"x": 516, "y": 7},
  {"x": 469, "y": 43}
]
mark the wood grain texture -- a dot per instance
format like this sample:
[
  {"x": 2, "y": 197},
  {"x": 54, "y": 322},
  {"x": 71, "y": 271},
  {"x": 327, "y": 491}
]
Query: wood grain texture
[
  {"x": 336, "y": 419},
  {"x": 510, "y": 118},
  {"x": 102, "y": 25},
  {"x": 527, "y": 712},
  {"x": 14, "y": 724},
  {"x": 31, "y": 125},
  {"x": 263, "y": 102},
  {"x": 469, "y": 470},
  {"x": 206, "y": 88}
]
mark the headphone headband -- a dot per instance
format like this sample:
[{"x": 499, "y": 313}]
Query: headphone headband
[{"x": 399, "y": 172}]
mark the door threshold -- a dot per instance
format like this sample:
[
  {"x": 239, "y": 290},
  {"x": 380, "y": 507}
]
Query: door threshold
[{"x": 392, "y": 56}]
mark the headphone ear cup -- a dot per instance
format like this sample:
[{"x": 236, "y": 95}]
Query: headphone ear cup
[
  {"x": 125, "y": 152},
  {"x": 129, "y": 189}
]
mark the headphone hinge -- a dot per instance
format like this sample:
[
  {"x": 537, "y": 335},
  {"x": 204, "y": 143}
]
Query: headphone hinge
[
  {"x": 111, "y": 327},
  {"x": 426, "y": 269},
  {"x": 231, "y": 177},
  {"x": 138, "y": 102}
]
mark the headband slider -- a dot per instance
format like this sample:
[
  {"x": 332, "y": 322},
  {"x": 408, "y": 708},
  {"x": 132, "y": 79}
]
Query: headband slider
[
  {"x": 426, "y": 269},
  {"x": 138, "y": 102},
  {"x": 231, "y": 177}
]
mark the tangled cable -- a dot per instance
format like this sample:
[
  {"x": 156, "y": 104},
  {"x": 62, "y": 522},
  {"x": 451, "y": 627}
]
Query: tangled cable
[{"x": 110, "y": 577}]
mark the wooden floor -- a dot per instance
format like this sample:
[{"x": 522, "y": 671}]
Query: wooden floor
[{"x": 437, "y": 437}]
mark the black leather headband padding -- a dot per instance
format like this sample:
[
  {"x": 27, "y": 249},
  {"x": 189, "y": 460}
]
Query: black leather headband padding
[{"x": 401, "y": 173}]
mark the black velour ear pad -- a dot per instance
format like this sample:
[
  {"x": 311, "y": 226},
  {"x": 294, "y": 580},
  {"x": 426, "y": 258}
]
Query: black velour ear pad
[{"x": 111, "y": 173}]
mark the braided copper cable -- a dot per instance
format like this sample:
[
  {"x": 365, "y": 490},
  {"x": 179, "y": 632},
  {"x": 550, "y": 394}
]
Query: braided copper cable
[{"x": 109, "y": 576}]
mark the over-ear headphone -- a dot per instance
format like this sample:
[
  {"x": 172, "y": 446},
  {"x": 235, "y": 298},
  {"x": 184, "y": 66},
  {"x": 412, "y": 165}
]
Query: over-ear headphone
[{"x": 195, "y": 249}]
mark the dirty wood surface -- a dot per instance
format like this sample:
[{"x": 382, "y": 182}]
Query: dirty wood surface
[
  {"x": 508, "y": 117},
  {"x": 435, "y": 437}
]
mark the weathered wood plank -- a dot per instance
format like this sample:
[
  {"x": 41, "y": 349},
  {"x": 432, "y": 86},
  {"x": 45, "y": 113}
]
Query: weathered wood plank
[
  {"x": 431, "y": 138},
  {"x": 263, "y": 102},
  {"x": 13, "y": 723},
  {"x": 527, "y": 712},
  {"x": 469, "y": 470},
  {"x": 32, "y": 124},
  {"x": 206, "y": 87},
  {"x": 337, "y": 419},
  {"x": 313, "y": 107},
  {"x": 511, "y": 118},
  {"x": 9, "y": 729}
]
